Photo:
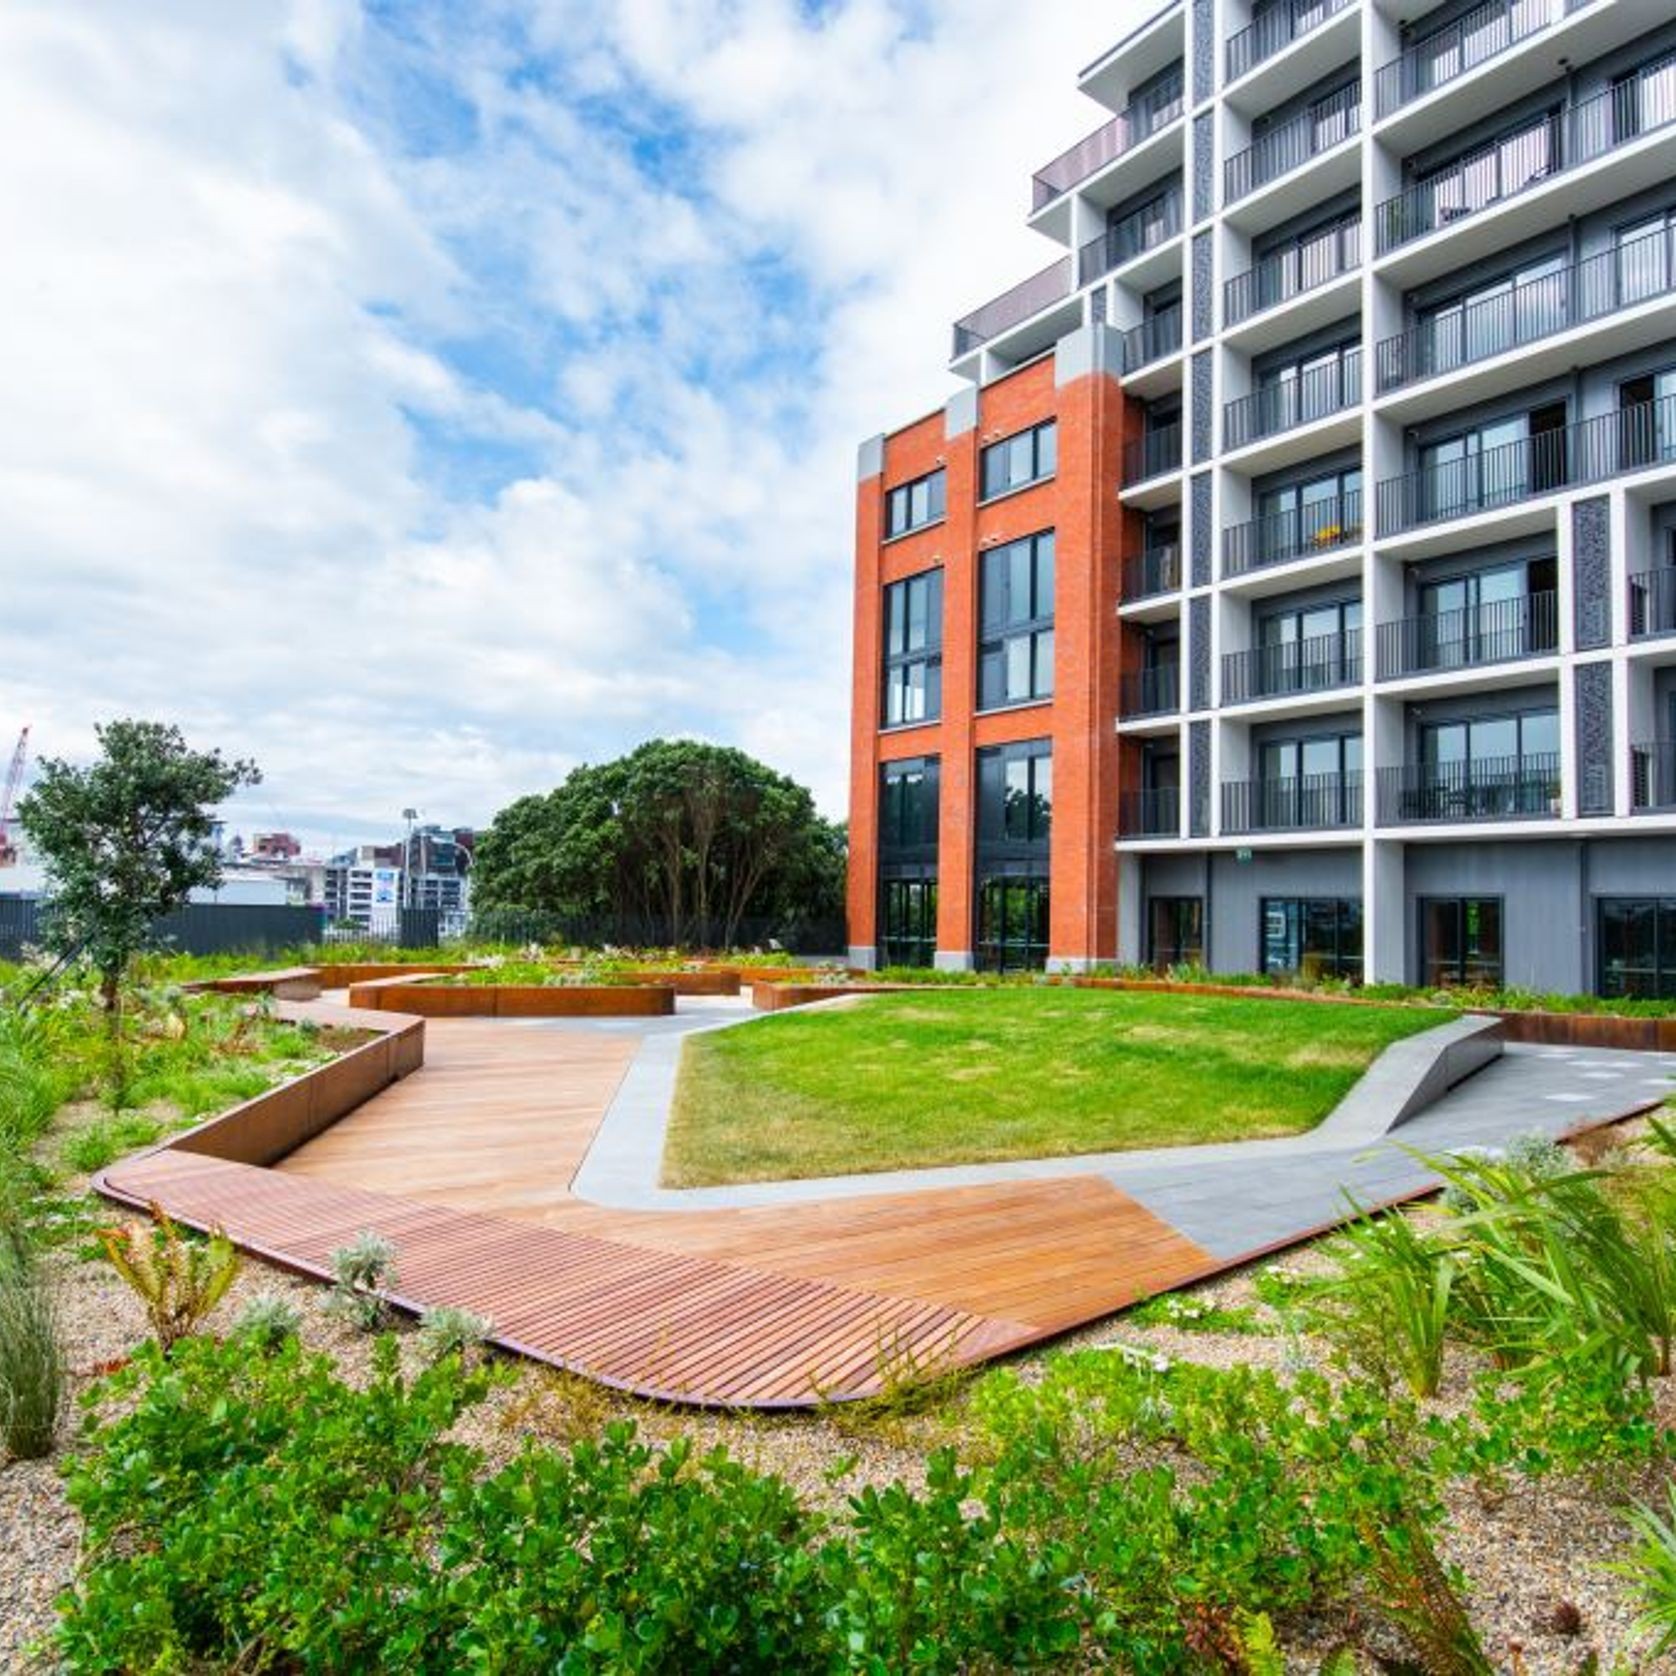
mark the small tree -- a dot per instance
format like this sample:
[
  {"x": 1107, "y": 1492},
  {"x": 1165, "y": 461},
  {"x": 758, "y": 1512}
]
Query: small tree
[{"x": 125, "y": 840}]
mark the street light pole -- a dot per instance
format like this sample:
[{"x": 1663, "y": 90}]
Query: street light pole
[{"x": 410, "y": 816}]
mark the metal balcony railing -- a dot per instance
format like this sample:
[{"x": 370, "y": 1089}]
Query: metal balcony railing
[
  {"x": 1493, "y": 789},
  {"x": 1314, "y": 394},
  {"x": 1522, "y": 161},
  {"x": 1437, "y": 59},
  {"x": 1152, "y": 455},
  {"x": 1153, "y": 339},
  {"x": 1012, "y": 308},
  {"x": 1288, "y": 273},
  {"x": 1311, "y": 801},
  {"x": 1138, "y": 121},
  {"x": 1318, "y": 664},
  {"x": 1156, "y": 571},
  {"x": 1639, "y": 271},
  {"x": 1652, "y": 775},
  {"x": 1276, "y": 29},
  {"x": 1150, "y": 692},
  {"x": 1497, "y": 631},
  {"x": 1155, "y": 813},
  {"x": 1613, "y": 444},
  {"x": 1293, "y": 143},
  {"x": 1321, "y": 527},
  {"x": 1652, "y": 603},
  {"x": 1143, "y": 229}
]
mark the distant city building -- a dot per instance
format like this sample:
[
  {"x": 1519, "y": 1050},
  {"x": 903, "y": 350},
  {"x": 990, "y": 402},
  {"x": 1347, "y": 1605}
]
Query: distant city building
[
  {"x": 273, "y": 846},
  {"x": 369, "y": 885}
]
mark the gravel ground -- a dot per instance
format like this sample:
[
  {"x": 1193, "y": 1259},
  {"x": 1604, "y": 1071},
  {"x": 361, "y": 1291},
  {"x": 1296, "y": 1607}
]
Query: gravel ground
[{"x": 1541, "y": 1597}]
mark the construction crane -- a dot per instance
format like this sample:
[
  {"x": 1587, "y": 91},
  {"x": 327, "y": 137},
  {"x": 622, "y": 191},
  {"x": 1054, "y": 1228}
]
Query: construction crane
[{"x": 8, "y": 798}]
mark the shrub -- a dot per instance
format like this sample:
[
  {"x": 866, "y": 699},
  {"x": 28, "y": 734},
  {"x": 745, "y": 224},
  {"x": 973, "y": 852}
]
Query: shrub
[
  {"x": 1388, "y": 1309},
  {"x": 450, "y": 1331},
  {"x": 31, "y": 1363},
  {"x": 1651, "y": 1569},
  {"x": 267, "y": 1321},
  {"x": 361, "y": 1271},
  {"x": 179, "y": 1280}
]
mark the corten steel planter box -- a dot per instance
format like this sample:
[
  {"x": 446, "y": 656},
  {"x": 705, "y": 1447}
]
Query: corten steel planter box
[
  {"x": 350, "y": 973},
  {"x": 517, "y": 1000},
  {"x": 289, "y": 983},
  {"x": 713, "y": 980}
]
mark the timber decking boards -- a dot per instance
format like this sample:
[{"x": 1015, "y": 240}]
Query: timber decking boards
[{"x": 467, "y": 1163}]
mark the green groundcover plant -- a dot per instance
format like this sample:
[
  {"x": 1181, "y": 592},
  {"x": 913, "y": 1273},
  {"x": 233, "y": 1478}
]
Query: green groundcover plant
[{"x": 250, "y": 1508}]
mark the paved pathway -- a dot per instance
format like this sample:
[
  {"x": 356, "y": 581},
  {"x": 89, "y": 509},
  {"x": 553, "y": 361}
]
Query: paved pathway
[{"x": 518, "y": 1174}]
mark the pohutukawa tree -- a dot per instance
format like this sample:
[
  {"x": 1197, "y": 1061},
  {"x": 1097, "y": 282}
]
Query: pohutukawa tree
[{"x": 126, "y": 839}]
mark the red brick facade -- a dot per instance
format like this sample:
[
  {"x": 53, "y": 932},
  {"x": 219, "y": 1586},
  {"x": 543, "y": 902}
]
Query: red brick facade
[{"x": 1080, "y": 505}]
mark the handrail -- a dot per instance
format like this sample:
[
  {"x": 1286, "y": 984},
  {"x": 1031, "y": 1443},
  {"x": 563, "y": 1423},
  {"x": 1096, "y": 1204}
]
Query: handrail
[
  {"x": 1520, "y": 161},
  {"x": 1154, "y": 812},
  {"x": 1155, "y": 571},
  {"x": 1652, "y": 602},
  {"x": 1152, "y": 455},
  {"x": 1316, "y": 664},
  {"x": 1292, "y": 804},
  {"x": 1325, "y": 124},
  {"x": 1314, "y": 394},
  {"x": 1435, "y": 60},
  {"x": 1495, "y": 631},
  {"x": 1293, "y": 270},
  {"x": 1153, "y": 339},
  {"x": 1126, "y": 239},
  {"x": 1276, "y": 29},
  {"x": 1139, "y": 121},
  {"x": 1493, "y": 788},
  {"x": 1614, "y": 444},
  {"x": 1150, "y": 692},
  {"x": 1652, "y": 774},
  {"x": 1321, "y": 527},
  {"x": 1529, "y": 310},
  {"x": 1012, "y": 308}
]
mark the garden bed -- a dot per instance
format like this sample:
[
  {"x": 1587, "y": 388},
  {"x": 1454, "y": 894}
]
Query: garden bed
[{"x": 443, "y": 1000}]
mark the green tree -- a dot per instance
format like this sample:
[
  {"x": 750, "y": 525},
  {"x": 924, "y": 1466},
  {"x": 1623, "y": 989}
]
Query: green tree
[
  {"x": 125, "y": 840},
  {"x": 694, "y": 838}
]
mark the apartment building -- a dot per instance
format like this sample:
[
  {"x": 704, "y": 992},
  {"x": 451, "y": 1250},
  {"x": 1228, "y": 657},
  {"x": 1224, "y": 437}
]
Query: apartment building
[{"x": 1292, "y": 585}]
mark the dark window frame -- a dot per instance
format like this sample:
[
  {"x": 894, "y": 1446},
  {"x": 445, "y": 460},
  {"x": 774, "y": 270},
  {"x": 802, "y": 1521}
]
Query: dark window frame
[
  {"x": 999, "y": 627},
  {"x": 1040, "y": 439},
  {"x": 1461, "y": 962},
  {"x": 909, "y": 900},
  {"x": 1347, "y": 918},
  {"x": 1022, "y": 898},
  {"x": 1661, "y": 964},
  {"x": 998, "y": 832},
  {"x": 903, "y": 831},
  {"x": 901, "y": 495},
  {"x": 1183, "y": 951},
  {"x": 898, "y": 662}
]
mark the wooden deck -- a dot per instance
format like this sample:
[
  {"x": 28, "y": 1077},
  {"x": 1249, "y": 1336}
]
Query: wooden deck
[{"x": 467, "y": 1166}]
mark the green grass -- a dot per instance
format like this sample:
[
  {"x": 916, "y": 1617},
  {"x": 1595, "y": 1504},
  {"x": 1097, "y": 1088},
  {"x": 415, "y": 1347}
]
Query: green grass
[{"x": 906, "y": 1081}]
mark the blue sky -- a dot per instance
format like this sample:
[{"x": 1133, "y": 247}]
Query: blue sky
[{"x": 424, "y": 397}]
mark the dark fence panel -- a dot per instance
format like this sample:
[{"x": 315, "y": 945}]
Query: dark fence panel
[{"x": 199, "y": 928}]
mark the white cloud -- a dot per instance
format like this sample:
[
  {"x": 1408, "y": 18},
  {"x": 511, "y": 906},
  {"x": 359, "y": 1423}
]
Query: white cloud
[{"x": 412, "y": 412}]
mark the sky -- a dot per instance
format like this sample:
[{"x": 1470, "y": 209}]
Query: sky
[{"x": 423, "y": 397}]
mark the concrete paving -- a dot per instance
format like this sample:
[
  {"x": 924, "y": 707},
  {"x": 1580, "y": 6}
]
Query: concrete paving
[{"x": 1232, "y": 1198}]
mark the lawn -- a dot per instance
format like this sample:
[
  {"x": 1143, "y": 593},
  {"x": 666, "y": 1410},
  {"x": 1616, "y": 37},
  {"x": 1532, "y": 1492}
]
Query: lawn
[{"x": 906, "y": 1081}]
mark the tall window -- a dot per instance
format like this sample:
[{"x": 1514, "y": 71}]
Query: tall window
[
  {"x": 908, "y": 795},
  {"x": 1175, "y": 931},
  {"x": 914, "y": 649},
  {"x": 1015, "y": 656},
  {"x": 1312, "y": 936},
  {"x": 1026, "y": 458},
  {"x": 1506, "y": 611},
  {"x": 1637, "y": 947},
  {"x": 1015, "y": 822},
  {"x": 1310, "y": 782},
  {"x": 916, "y": 504},
  {"x": 1493, "y": 464},
  {"x": 908, "y": 809},
  {"x": 1531, "y": 302},
  {"x": 1484, "y": 766},
  {"x": 1461, "y": 941}
]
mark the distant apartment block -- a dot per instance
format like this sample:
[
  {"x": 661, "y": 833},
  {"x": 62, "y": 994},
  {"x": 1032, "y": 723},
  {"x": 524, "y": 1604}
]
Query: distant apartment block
[
  {"x": 370, "y": 885},
  {"x": 1292, "y": 587}
]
